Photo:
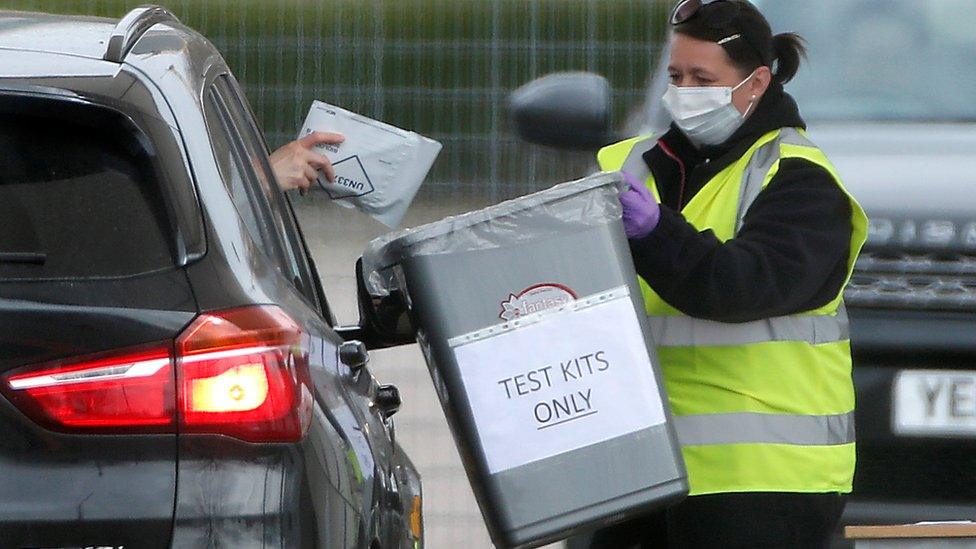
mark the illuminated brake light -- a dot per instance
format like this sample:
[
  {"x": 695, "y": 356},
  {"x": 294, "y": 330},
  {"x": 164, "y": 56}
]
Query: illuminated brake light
[
  {"x": 244, "y": 373},
  {"x": 240, "y": 389},
  {"x": 124, "y": 391}
]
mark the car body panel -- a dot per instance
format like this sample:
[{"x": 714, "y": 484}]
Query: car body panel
[
  {"x": 75, "y": 36},
  {"x": 33, "y": 64}
]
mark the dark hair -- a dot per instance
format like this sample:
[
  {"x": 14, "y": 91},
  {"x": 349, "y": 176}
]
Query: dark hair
[{"x": 755, "y": 46}]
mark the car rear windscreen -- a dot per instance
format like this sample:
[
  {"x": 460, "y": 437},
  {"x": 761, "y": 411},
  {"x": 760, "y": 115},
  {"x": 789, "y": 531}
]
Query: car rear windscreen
[{"x": 78, "y": 196}]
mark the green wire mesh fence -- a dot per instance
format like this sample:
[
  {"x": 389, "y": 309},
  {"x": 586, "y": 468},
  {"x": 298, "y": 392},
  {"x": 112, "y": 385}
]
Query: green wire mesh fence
[{"x": 442, "y": 68}]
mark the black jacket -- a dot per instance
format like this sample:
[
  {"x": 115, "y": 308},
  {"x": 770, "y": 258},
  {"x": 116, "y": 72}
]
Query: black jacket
[{"x": 791, "y": 252}]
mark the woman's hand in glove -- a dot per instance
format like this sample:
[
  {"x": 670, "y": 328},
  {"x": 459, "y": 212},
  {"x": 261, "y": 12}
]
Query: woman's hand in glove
[{"x": 641, "y": 210}]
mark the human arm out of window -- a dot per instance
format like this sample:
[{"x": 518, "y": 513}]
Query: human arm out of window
[{"x": 297, "y": 166}]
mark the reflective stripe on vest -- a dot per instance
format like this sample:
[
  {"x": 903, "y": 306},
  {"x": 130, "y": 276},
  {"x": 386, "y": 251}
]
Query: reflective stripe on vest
[
  {"x": 685, "y": 331},
  {"x": 755, "y": 178},
  {"x": 749, "y": 428}
]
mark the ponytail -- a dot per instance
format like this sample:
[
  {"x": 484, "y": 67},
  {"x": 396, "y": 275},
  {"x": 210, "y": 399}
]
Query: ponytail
[
  {"x": 744, "y": 33},
  {"x": 788, "y": 50}
]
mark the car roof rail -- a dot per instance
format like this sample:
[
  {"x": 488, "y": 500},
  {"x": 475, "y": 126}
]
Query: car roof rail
[{"x": 131, "y": 27}]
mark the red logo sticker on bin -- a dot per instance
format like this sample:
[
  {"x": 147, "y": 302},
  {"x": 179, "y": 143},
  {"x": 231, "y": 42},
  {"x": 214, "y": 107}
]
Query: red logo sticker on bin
[{"x": 533, "y": 299}]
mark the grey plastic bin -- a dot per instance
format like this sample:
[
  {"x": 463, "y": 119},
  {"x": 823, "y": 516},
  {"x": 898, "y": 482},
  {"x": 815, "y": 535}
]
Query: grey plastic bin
[{"x": 531, "y": 320}]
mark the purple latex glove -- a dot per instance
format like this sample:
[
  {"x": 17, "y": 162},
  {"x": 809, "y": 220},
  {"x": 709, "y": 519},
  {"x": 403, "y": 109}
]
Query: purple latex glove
[{"x": 641, "y": 210}]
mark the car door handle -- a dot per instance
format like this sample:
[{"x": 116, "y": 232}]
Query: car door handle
[{"x": 354, "y": 355}]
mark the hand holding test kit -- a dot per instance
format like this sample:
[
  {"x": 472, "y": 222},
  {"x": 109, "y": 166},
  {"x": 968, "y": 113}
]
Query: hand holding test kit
[{"x": 378, "y": 167}]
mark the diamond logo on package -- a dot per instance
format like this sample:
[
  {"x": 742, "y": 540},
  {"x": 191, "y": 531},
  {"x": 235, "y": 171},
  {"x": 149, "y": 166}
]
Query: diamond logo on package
[
  {"x": 379, "y": 167},
  {"x": 351, "y": 180}
]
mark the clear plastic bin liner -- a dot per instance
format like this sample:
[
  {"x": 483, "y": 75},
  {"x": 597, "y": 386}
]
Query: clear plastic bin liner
[{"x": 558, "y": 210}]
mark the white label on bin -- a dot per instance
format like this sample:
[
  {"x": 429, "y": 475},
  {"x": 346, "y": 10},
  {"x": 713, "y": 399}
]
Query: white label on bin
[{"x": 558, "y": 381}]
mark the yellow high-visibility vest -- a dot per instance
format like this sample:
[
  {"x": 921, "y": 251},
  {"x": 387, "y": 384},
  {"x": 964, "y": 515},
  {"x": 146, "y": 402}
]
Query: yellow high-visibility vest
[{"x": 763, "y": 406}]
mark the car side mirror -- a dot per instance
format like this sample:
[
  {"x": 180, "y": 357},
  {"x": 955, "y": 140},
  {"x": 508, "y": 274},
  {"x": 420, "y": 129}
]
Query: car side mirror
[
  {"x": 568, "y": 110},
  {"x": 383, "y": 321}
]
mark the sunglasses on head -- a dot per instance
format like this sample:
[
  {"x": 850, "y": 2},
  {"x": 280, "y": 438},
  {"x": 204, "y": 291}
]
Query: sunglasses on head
[
  {"x": 686, "y": 9},
  {"x": 719, "y": 19}
]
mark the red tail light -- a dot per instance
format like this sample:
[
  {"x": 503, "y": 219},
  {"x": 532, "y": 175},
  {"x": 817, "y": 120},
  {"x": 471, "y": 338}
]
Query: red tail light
[
  {"x": 126, "y": 391},
  {"x": 241, "y": 373}
]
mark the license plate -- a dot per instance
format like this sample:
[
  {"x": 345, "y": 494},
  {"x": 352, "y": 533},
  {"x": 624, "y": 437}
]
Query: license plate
[{"x": 927, "y": 402}]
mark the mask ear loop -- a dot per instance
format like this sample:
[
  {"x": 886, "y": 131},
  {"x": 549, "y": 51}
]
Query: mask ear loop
[
  {"x": 753, "y": 101},
  {"x": 749, "y": 108}
]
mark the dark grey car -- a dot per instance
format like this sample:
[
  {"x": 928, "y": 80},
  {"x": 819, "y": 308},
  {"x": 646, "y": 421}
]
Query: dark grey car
[{"x": 171, "y": 374}]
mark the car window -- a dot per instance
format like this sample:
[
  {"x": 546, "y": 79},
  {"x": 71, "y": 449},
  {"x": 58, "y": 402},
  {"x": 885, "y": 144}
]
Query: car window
[
  {"x": 291, "y": 226},
  {"x": 911, "y": 60},
  {"x": 247, "y": 200},
  {"x": 79, "y": 197},
  {"x": 255, "y": 150}
]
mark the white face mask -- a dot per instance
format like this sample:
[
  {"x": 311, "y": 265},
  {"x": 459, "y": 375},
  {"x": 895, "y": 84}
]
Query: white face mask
[{"x": 706, "y": 114}]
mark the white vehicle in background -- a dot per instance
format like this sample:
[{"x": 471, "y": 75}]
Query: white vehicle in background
[{"x": 889, "y": 93}]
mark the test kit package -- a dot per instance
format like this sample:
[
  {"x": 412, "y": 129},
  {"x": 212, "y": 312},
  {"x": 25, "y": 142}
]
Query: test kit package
[
  {"x": 530, "y": 317},
  {"x": 379, "y": 167}
]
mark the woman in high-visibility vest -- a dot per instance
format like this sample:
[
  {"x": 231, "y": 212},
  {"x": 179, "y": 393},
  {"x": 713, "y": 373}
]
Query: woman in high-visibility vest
[{"x": 744, "y": 238}]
